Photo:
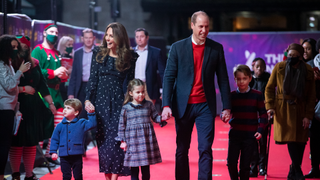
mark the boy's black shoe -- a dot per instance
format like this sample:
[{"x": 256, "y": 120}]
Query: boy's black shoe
[
  {"x": 313, "y": 174},
  {"x": 262, "y": 172},
  {"x": 56, "y": 162}
]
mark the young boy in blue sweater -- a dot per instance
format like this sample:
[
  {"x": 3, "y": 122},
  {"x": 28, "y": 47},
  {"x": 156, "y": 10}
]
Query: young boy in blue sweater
[
  {"x": 249, "y": 118},
  {"x": 68, "y": 138}
]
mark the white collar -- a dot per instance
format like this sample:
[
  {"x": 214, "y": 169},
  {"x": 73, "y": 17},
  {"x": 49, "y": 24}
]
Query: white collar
[
  {"x": 194, "y": 42},
  {"x": 244, "y": 92}
]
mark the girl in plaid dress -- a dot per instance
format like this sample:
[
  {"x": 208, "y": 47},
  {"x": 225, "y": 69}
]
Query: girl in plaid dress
[{"x": 136, "y": 132}]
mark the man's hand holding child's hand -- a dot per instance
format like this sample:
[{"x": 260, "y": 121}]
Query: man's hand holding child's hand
[
  {"x": 54, "y": 156},
  {"x": 257, "y": 135},
  {"x": 123, "y": 146}
]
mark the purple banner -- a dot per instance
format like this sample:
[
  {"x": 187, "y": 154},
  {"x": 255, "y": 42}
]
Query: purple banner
[
  {"x": 17, "y": 24},
  {"x": 242, "y": 48}
]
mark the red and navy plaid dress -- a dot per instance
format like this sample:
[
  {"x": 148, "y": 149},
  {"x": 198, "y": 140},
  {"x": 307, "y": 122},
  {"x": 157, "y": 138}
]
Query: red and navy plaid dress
[{"x": 136, "y": 129}]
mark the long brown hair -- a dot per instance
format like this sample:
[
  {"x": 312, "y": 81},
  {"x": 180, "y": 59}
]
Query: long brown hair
[
  {"x": 6, "y": 49},
  {"x": 24, "y": 55},
  {"x": 131, "y": 85},
  {"x": 123, "y": 47}
]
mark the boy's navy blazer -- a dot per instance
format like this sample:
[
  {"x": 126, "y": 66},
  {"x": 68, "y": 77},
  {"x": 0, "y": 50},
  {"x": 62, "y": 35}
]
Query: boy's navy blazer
[
  {"x": 179, "y": 76},
  {"x": 68, "y": 137}
]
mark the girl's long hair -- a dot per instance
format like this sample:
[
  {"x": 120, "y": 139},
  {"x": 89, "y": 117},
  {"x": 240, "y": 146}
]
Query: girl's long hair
[
  {"x": 123, "y": 47},
  {"x": 131, "y": 85}
]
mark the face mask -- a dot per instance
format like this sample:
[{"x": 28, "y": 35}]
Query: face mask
[
  {"x": 69, "y": 50},
  {"x": 293, "y": 60},
  {"x": 26, "y": 54},
  {"x": 14, "y": 54},
  {"x": 52, "y": 39}
]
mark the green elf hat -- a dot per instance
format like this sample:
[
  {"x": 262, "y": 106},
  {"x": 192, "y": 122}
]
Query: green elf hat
[{"x": 49, "y": 26}]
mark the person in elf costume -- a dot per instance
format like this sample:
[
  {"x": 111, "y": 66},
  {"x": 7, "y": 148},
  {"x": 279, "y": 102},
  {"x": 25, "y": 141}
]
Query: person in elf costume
[{"x": 49, "y": 61}]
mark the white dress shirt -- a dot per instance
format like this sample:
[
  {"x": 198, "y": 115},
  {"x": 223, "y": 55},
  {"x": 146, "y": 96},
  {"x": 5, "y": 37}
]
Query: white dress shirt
[{"x": 141, "y": 64}]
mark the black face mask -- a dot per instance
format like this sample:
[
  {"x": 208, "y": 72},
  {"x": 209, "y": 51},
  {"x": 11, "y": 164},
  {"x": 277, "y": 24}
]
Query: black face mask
[
  {"x": 26, "y": 54},
  {"x": 293, "y": 60}
]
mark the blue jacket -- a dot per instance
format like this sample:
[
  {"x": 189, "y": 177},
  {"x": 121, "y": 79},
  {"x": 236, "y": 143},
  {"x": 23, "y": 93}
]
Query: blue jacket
[{"x": 68, "y": 137}]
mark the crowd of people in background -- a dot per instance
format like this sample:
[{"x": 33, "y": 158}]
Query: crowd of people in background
[{"x": 116, "y": 87}]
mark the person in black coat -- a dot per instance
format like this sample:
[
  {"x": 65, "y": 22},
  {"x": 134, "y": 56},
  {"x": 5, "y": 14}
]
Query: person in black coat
[{"x": 259, "y": 82}]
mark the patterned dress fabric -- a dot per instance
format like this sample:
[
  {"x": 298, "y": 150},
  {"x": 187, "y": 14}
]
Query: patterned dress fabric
[
  {"x": 136, "y": 129},
  {"x": 105, "y": 91}
]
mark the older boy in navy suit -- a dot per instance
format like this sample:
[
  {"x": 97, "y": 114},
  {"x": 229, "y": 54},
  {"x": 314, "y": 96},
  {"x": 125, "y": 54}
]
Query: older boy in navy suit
[{"x": 68, "y": 137}]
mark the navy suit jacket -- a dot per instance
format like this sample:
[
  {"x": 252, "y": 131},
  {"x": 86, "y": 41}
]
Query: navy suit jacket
[
  {"x": 155, "y": 65},
  {"x": 179, "y": 76},
  {"x": 76, "y": 74}
]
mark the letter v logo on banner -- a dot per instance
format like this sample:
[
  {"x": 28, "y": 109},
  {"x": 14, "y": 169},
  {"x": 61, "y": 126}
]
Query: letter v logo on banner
[{"x": 250, "y": 57}]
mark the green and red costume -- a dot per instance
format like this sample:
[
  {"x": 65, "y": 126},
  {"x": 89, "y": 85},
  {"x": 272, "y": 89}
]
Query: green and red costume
[{"x": 49, "y": 60}]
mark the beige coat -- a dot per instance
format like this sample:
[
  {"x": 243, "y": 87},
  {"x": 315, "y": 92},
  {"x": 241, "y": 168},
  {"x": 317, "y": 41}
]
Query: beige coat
[{"x": 288, "y": 118}]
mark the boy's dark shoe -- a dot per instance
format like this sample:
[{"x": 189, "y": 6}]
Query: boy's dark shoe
[
  {"x": 313, "y": 174},
  {"x": 262, "y": 172}
]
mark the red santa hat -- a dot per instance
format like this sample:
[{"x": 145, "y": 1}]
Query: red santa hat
[{"x": 24, "y": 39}]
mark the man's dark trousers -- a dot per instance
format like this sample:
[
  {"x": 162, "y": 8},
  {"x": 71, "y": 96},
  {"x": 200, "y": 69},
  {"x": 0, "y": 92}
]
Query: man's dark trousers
[{"x": 201, "y": 115}]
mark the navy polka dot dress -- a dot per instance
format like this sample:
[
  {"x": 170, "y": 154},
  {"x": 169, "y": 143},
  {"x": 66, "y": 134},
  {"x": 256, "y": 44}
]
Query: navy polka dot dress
[{"x": 105, "y": 91}]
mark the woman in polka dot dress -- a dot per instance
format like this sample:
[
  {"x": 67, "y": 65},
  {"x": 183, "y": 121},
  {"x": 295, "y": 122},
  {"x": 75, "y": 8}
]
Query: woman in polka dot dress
[{"x": 112, "y": 67}]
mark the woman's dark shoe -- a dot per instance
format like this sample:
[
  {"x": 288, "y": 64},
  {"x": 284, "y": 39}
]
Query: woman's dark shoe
[
  {"x": 16, "y": 176},
  {"x": 313, "y": 174},
  {"x": 298, "y": 174},
  {"x": 291, "y": 175},
  {"x": 33, "y": 177}
]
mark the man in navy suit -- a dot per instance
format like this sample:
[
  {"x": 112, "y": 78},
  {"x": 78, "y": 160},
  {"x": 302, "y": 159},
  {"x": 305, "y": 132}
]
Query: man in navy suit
[
  {"x": 189, "y": 89},
  {"x": 149, "y": 64},
  {"x": 81, "y": 69}
]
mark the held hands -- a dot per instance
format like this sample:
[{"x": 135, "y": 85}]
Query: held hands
[
  {"x": 89, "y": 107},
  {"x": 54, "y": 156},
  {"x": 257, "y": 135},
  {"x": 225, "y": 115},
  {"x": 24, "y": 66},
  {"x": 123, "y": 146},
  {"x": 70, "y": 96},
  {"x": 305, "y": 123},
  {"x": 166, "y": 113}
]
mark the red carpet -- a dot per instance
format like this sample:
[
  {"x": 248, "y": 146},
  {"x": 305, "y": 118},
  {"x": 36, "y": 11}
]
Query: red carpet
[{"x": 278, "y": 162}]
